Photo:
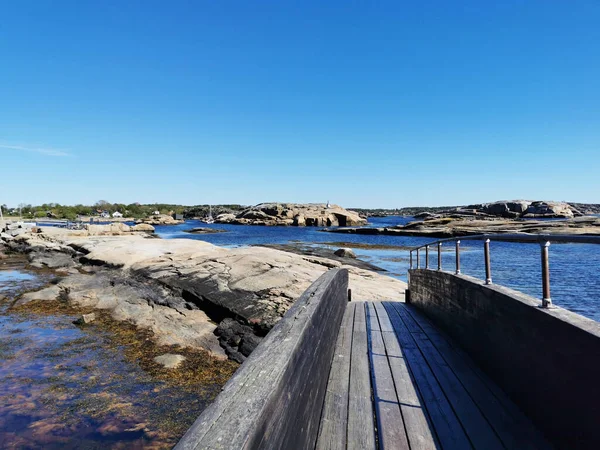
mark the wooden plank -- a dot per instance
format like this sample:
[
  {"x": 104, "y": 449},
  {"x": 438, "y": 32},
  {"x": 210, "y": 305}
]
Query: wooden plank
[
  {"x": 334, "y": 420},
  {"x": 479, "y": 430},
  {"x": 275, "y": 399},
  {"x": 439, "y": 336},
  {"x": 512, "y": 426},
  {"x": 419, "y": 429},
  {"x": 361, "y": 428},
  {"x": 448, "y": 428},
  {"x": 390, "y": 425}
]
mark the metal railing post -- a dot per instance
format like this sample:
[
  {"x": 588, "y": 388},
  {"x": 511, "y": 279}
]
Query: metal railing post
[
  {"x": 488, "y": 268},
  {"x": 457, "y": 257},
  {"x": 418, "y": 260},
  {"x": 546, "y": 300},
  {"x": 427, "y": 256},
  {"x": 439, "y": 255},
  {"x": 411, "y": 264}
]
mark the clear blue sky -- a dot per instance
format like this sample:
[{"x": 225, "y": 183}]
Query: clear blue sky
[{"x": 381, "y": 104}]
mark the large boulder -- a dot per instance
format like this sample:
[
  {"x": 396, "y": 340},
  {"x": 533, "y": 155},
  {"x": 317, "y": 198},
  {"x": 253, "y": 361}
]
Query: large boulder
[
  {"x": 225, "y": 218},
  {"x": 509, "y": 209},
  {"x": 549, "y": 210},
  {"x": 147, "y": 228},
  {"x": 113, "y": 229}
]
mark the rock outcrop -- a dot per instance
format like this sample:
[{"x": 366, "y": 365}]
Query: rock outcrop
[
  {"x": 446, "y": 227},
  {"x": 512, "y": 209},
  {"x": 345, "y": 253},
  {"x": 550, "y": 210},
  {"x": 204, "y": 230},
  {"x": 292, "y": 214},
  {"x": 160, "y": 219},
  {"x": 189, "y": 292}
]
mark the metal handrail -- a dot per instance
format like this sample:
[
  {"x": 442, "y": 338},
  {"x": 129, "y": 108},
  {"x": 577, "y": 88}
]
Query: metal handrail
[{"x": 542, "y": 239}]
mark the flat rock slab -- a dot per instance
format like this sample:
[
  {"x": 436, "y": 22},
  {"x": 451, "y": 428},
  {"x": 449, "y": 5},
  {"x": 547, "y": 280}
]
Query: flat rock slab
[{"x": 182, "y": 288}]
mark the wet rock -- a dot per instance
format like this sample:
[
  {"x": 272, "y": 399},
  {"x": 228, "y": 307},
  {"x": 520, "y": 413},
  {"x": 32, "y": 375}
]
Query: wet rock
[
  {"x": 85, "y": 319},
  {"x": 249, "y": 343},
  {"x": 170, "y": 360},
  {"x": 51, "y": 260},
  {"x": 204, "y": 230},
  {"x": 345, "y": 253},
  {"x": 47, "y": 294},
  {"x": 237, "y": 339}
]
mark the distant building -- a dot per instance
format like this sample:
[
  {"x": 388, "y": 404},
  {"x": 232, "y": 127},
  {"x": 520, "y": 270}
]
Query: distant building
[
  {"x": 156, "y": 213},
  {"x": 178, "y": 216},
  {"x": 105, "y": 214},
  {"x": 117, "y": 214}
]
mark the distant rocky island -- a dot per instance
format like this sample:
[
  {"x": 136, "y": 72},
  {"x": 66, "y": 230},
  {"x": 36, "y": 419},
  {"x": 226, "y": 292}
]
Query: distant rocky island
[
  {"x": 515, "y": 216},
  {"x": 294, "y": 214},
  {"x": 578, "y": 208}
]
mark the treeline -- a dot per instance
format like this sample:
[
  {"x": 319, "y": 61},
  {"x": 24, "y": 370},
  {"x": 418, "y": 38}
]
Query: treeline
[{"x": 134, "y": 210}]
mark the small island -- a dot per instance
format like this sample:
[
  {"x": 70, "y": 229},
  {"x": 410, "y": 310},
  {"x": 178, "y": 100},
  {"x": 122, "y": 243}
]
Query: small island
[
  {"x": 517, "y": 216},
  {"x": 294, "y": 214}
]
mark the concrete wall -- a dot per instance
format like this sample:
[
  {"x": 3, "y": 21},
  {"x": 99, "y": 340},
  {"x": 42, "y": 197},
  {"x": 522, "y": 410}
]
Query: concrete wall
[{"x": 547, "y": 360}]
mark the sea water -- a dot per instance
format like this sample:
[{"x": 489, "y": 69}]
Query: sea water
[{"x": 574, "y": 268}]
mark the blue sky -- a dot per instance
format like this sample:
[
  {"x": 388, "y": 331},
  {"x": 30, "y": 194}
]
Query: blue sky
[{"x": 365, "y": 104}]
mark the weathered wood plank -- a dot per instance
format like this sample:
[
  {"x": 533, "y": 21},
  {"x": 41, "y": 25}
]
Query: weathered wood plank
[
  {"x": 416, "y": 422},
  {"x": 390, "y": 425},
  {"x": 514, "y": 429},
  {"x": 480, "y": 432},
  {"x": 334, "y": 420},
  {"x": 275, "y": 399},
  {"x": 361, "y": 428},
  {"x": 448, "y": 428}
]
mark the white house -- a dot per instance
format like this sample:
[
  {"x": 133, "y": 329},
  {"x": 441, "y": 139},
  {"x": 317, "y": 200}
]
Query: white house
[
  {"x": 117, "y": 214},
  {"x": 156, "y": 213}
]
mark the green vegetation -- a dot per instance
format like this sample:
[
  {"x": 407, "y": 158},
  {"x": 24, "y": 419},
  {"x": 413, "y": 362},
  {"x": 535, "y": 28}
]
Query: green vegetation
[{"x": 134, "y": 210}]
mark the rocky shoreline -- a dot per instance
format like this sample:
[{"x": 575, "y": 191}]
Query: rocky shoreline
[
  {"x": 188, "y": 293},
  {"x": 517, "y": 216}
]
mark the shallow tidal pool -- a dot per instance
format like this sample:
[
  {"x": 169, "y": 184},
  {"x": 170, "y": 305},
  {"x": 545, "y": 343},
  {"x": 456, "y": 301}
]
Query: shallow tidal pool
[{"x": 64, "y": 386}]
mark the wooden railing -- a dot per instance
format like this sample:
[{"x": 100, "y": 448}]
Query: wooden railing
[{"x": 274, "y": 400}]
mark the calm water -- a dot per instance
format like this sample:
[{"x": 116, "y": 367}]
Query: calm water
[
  {"x": 66, "y": 387},
  {"x": 574, "y": 268}
]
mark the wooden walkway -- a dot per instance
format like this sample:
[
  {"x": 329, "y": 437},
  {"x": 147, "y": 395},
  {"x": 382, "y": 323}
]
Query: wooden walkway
[{"x": 397, "y": 382}]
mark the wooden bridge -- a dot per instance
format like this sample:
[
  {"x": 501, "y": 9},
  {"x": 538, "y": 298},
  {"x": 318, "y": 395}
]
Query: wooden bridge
[{"x": 464, "y": 365}]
